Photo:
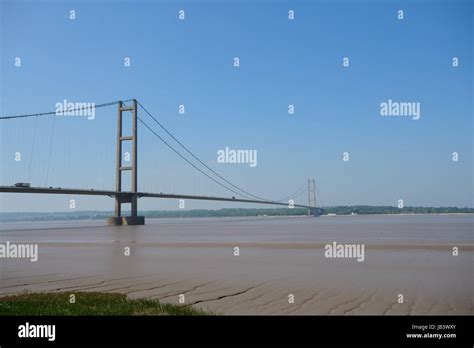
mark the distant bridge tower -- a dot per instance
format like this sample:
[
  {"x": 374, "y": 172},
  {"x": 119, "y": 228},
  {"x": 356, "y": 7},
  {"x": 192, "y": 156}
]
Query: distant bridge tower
[
  {"x": 126, "y": 197},
  {"x": 311, "y": 197}
]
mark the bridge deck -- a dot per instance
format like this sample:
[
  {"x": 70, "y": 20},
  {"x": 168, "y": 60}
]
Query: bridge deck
[{"x": 92, "y": 192}]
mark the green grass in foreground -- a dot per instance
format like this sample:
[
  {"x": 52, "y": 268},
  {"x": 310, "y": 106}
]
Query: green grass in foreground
[{"x": 87, "y": 303}]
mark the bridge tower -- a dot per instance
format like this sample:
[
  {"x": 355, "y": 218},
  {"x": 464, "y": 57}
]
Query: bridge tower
[
  {"x": 126, "y": 197},
  {"x": 311, "y": 196}
]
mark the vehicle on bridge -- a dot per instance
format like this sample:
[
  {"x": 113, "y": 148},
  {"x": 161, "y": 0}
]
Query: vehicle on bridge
[{"x": 22, "y": 184}]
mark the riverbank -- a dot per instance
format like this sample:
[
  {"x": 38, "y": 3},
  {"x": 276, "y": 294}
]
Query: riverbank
[{"x": 87, "y": 303}]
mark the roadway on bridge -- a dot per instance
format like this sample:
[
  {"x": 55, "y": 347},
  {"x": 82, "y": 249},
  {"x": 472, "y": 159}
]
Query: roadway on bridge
[{"x": 92, "y": 192}]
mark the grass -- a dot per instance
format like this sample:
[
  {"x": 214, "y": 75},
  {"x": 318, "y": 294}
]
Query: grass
[{"x": 87, "y": 303}]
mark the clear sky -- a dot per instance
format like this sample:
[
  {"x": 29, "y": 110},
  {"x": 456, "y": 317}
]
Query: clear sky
[{"x": 282, "y": 62}]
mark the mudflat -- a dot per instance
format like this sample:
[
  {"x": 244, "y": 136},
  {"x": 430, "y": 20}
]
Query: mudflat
[{"x": 261, "y": 265}]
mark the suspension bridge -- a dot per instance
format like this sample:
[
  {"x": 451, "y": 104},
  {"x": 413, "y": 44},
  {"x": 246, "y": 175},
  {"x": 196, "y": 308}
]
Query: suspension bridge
[{"x": 131, "y": 196}]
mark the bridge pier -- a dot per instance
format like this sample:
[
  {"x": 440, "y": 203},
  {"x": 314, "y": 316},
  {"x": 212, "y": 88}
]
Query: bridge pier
[
  {"x": 126, "y": 220},
  {"x": 131, "y": 197}
]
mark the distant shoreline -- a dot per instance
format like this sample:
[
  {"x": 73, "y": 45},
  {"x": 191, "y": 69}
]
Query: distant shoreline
[
  {"x": 399, "y": 214},
  {"x": 232, "y": 212}
]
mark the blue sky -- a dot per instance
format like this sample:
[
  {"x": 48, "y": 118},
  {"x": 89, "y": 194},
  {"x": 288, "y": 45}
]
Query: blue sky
[{"x": 282, "y": 62}]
